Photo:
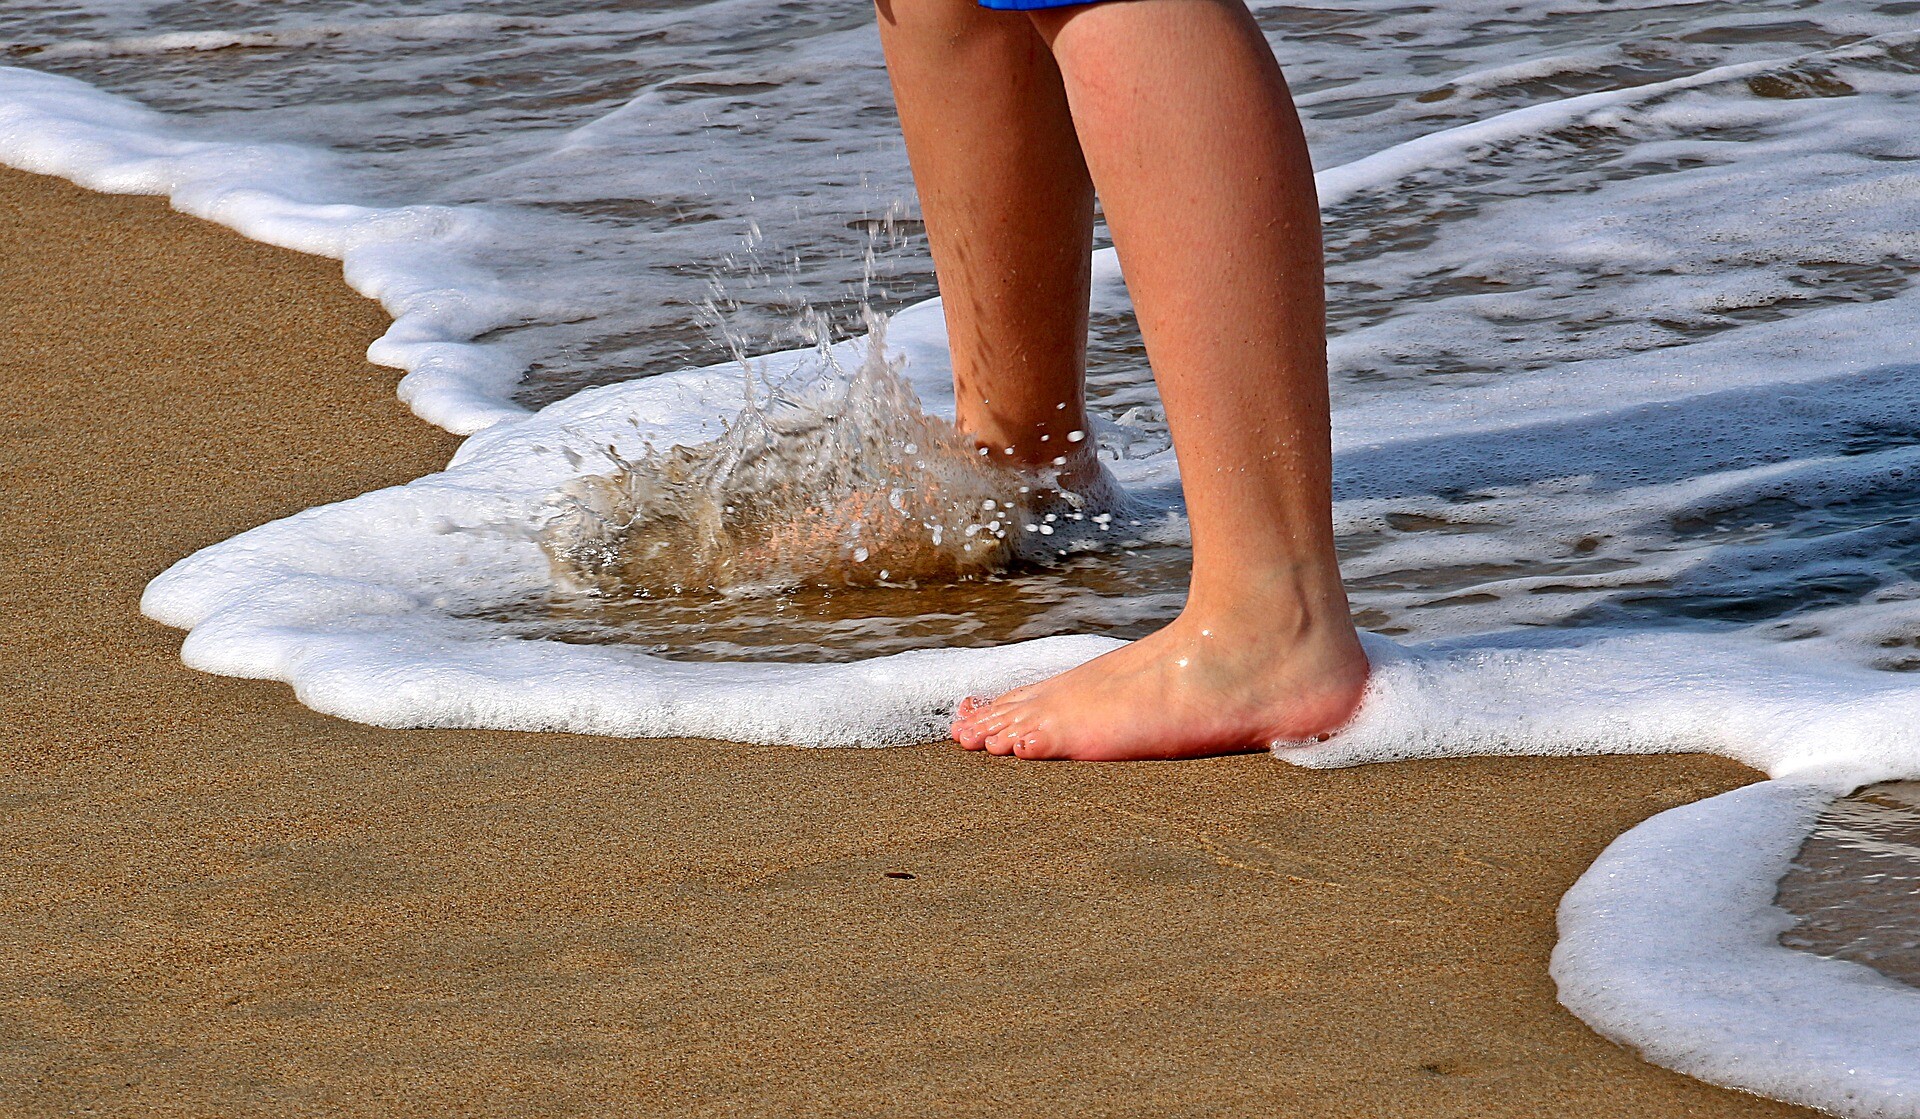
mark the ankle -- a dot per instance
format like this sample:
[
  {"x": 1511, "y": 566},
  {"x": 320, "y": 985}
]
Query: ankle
[
  {"x": 1061, "y": 433},
  {"x": 1068, "y": 464},
  {"x": 1290, "y": 614}
]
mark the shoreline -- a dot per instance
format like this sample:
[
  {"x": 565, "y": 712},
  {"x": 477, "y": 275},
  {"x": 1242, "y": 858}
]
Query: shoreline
[{"x": 220, "y": 901}]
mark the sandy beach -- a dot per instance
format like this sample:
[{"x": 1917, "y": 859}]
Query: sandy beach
[{"x": 217, "y": 902}]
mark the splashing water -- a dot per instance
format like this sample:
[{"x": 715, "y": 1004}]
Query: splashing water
[{"x": 843, "y": 481}]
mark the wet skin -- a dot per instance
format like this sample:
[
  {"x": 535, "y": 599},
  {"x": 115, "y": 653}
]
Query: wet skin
[{"x": 1179, "y": 114}]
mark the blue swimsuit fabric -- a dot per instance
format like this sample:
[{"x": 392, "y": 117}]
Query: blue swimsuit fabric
[{"x": 1028, "y": 5}]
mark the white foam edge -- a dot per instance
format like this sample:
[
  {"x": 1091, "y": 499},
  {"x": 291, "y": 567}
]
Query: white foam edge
[
  {"x": 1546, "y": 693},
  {"x": 414, "y": 260},
  {"x": 1669, "y": 944},
  {"x": 345, "y": 602}
]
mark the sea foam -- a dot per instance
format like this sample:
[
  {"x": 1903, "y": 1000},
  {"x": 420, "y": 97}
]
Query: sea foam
[
  {"x": 1624, "y": 347},
  {"x": 419, "y": 262}
]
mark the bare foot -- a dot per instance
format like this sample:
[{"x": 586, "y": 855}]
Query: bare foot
[{"x": 1190, "y": 690}]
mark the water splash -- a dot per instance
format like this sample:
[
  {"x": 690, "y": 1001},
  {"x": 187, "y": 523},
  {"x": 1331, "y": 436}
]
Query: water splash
[{"x": 842, "y": 481}]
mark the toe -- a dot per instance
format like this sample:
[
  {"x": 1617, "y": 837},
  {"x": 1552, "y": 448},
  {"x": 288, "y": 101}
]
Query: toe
[
  {"x": 1048, "y": 740},
  {"x": 1001, "y": 743},
  {"x": 972, "y": 734},
  {"x": 963, "y": 731},
  {"x": 973, "y": 720},
  {"x": 990, "y": 720}
]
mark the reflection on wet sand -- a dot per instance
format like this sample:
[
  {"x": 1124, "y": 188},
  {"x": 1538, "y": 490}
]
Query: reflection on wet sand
[
  {"x": 1126, "y": 593},
  {"x": 1855, "y": 885}
]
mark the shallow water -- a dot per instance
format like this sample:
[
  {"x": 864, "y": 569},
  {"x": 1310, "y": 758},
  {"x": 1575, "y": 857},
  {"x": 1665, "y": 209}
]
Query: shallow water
[
  {"x": 1855, "y": 885},
  {"x": 1125, "y": 593}
]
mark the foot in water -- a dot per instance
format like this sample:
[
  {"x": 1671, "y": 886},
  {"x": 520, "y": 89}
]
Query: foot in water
[{"x": 1190, "y": 690}]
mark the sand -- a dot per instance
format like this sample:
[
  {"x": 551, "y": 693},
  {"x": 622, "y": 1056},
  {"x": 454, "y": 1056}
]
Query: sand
[{"x": 216, "y": 902}]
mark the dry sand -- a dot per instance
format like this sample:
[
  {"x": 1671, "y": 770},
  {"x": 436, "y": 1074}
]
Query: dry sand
[{"x": 215, "y": 902}]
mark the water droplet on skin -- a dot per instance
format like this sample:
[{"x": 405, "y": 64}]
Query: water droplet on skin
[
  {"x": 1075, "y": 436},
  {"x": 859, "y": 555},
  {"x": 1182, "y": 662},
  {"x": 1061, "y": 461}
]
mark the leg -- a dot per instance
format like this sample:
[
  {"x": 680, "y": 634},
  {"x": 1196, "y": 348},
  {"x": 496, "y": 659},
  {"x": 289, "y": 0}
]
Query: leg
[
  {"x": 1009, "y": 212},
  {"x": 1193, "y": 141}
]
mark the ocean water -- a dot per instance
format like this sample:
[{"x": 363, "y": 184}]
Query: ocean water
[
  {"x": 1855, "y": 881},
  {"x": 1626, "y": 382}
]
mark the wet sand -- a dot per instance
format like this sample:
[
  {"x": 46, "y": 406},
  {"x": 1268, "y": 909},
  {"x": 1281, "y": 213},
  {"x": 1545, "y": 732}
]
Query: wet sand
[{"x": 215, "y": 901}]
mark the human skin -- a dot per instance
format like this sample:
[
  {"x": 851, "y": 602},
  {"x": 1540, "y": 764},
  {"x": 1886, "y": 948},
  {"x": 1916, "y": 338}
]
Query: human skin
[
  {"x": 1177, "y": 112},
  {"x": 1008, "y": 206}
]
